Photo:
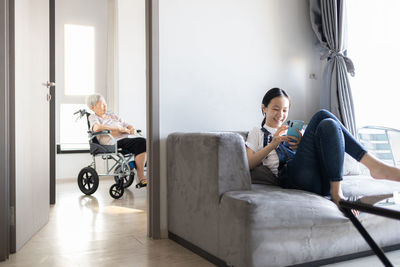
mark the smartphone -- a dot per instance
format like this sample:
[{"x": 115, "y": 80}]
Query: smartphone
[{"x": 293, "y": 125}]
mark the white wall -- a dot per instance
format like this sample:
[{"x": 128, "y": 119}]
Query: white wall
[
  {"x": 219, "y": 57},
  {"x": 132, "y": 62},
  {"x": 69, "y": 165}
]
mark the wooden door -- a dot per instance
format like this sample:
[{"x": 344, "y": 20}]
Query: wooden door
[{"x": 31, "y": 118}]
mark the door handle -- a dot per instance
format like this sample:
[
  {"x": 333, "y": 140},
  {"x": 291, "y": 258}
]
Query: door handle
[{"x": 49, "y": 84}]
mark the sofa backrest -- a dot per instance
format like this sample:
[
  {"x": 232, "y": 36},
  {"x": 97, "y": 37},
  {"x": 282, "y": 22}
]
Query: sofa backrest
[{"x": 220, "y": 155}]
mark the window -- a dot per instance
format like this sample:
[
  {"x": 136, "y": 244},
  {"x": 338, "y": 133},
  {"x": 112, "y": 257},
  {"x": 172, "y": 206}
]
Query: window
[
  {"x": 373, "y": 42},
  {"x": 79, "y": 59},
  {"x": 79, "y": 81}
]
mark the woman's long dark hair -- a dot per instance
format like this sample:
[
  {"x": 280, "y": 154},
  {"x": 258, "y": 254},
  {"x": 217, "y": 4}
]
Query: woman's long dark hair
[{"x": 272, "y": 93}]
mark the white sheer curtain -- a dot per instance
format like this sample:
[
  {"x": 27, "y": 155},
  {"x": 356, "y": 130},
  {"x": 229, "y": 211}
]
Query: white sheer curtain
[{"x": 373, "y": 44}]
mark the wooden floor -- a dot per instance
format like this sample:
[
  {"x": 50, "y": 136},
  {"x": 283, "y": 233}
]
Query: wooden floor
[{"x": 100, "y": 231}]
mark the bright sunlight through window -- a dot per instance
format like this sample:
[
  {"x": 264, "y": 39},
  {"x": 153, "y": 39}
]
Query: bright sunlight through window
[
  {"x": 79, "y": 59},
  {"x": 373, "y": 42}
]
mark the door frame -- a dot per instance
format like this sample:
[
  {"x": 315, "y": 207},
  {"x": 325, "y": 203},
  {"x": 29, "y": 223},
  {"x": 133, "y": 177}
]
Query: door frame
[
  {"x": 52, "y": 92},
  {"x": 153, "y": 118},
  {"x": 4, "y": 131},
  {"x": 12, "y": 192}
]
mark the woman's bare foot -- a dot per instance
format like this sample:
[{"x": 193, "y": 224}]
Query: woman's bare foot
[
  {"x": 379, "y": 169},
  {"x": 386, "y": 172},
  {"x": 336, "y": 200},
  {"x": 337, "y": 195}
]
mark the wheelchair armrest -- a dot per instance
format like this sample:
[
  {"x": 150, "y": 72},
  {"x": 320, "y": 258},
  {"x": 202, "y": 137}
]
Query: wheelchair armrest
[
  {"x": 104, "y": 132},
  {"x": 93, "y": 135}
]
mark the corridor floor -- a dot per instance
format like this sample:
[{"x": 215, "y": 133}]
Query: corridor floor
[{"x": 99, "y": 231}]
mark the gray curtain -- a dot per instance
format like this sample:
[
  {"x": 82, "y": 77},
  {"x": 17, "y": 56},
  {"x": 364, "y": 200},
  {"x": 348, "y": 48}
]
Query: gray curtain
[{"x": 328, "y": 19}]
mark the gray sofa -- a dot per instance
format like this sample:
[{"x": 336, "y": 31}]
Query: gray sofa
[{"x": 214, "y": 209}]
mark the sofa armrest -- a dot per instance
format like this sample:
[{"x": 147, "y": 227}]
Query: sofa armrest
[{"x": 200, "y": 168}]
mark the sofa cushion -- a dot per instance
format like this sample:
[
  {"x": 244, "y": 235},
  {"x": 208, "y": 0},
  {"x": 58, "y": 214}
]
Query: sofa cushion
[
  {"x": 365, "y": 185},
  {"x": 263, "y": 175},
  {"x": 350, "y": 166},
  {"x": 286, "y": 227}
]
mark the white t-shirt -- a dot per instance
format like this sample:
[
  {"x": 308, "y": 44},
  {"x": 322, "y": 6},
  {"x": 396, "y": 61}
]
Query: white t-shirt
[
  {"x": 112, "y": 120},
  {"x": 255, "y": 141}
]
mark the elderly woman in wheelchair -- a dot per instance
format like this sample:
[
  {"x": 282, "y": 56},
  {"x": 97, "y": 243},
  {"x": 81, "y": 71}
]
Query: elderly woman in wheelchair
[{"x": 110, "y": 138}]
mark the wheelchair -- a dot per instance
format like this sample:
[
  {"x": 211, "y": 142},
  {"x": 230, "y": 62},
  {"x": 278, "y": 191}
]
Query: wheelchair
[{"x": 119, "y": 164}]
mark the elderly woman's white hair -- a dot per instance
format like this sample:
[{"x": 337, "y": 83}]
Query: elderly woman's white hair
[{"x": 91, "y": 100}]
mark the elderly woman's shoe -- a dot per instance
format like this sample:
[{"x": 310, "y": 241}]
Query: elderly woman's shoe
[{"x": 142, "y": 183}]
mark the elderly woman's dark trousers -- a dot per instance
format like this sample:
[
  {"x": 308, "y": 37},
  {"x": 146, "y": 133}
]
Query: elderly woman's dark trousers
[{"x": 135, "y": 146}]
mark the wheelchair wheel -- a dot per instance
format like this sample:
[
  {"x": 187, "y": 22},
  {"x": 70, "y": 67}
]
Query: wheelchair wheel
[
  {"x": 88, "y": 180},
  {"x": 116, "y": 191},
  {"x": 127, "y": 179}
]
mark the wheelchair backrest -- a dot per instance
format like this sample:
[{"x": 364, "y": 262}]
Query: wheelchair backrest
[{"x": 96, "y": 147}]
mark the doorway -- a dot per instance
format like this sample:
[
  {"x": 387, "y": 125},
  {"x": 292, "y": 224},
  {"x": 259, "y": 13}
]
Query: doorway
[
  {"x": 121, "y": 73},
  {"x": 99, "y": 48}
]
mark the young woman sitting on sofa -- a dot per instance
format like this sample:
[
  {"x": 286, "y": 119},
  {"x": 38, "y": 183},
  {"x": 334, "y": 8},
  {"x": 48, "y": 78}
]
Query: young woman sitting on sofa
[{"x": 311, "y": 162}]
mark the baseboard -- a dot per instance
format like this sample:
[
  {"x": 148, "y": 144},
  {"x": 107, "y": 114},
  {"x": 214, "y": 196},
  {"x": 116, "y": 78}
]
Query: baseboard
[
  {"x": 217, "y": 261},
  {"x": 195, "y": 249},
  {"x": 345, "y": 257}
]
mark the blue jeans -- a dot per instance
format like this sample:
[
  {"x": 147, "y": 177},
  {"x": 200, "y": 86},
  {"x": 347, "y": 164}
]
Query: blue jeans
[{"x": 320, "y": 154}]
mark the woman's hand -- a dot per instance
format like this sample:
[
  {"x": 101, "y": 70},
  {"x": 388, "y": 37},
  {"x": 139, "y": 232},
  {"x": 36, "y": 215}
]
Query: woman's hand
[
  {"x": 132, "y": 130},
  {"x": 295, "y": 141},
  {"x": 123, "y": 130},
  {"x": 279, "y": 137}
]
